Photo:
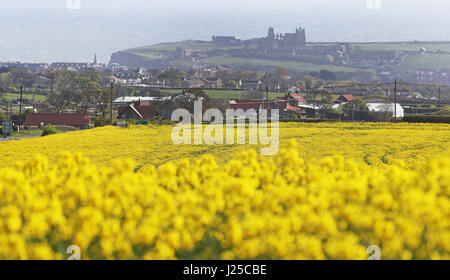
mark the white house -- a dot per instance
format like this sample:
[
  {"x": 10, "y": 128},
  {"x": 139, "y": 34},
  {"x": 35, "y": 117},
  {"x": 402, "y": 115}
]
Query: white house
[
  {"x": 387, "y": 107},
  {"x": 125, "y": 100}
]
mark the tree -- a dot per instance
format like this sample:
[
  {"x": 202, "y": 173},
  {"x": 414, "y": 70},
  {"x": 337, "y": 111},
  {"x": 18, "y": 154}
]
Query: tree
[
  {"x": 353, "y": 106},
  {"x": 103, "y": 102},
  {"x": 89, "y": 88},
  {"x": 309, "y": 82},
  {"x": 99, "y": 122},
  {"x": 49, "y": 129},
  {"x": 60, "y": 100},
  {"x": 66, "y": 88},
  {"x": 174, "y": 76},
  {"x": 281, "y": 72},
  {"x": 326, "y": 99},
  {"x": 232, "y": 84},
  {"x": 252, "y": 94},
  {"x": 327, "y": 75},
  {"x": 66, "y": 80},
  {"x": 319, "y": 83},
  {"x": 6, "y": 80}
]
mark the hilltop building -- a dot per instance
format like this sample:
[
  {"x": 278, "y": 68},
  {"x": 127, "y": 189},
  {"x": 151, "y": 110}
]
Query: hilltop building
[
  {"x": 225, "y": 39},
  {"x": 288, "y": 40}
]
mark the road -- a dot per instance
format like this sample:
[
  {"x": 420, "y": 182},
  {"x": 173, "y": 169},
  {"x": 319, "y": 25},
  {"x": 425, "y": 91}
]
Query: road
[{"x": 17, "y": 138}]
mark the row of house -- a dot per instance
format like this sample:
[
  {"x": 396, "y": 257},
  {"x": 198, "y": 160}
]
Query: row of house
[
  {"x": 42, "y": 67},
  {"x": 297, "y": 104},
  {"x": 431, "y": 76},
  {"x": 293, "y": 103},
  {"x": 218, "y": 83},
  {"x": 33, "y": 67},
  {"x": 203, "y": 83},
  {"x": 145, "y": 108}
]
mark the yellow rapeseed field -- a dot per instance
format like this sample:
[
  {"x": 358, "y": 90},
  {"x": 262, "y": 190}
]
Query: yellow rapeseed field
[
  {"x": 371, "y": 143},
  {"x": 333, "y": 190}
]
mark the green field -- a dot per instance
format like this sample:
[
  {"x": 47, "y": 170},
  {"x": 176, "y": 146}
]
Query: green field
[
  {"x": 248, "y": 63},
  {"x": 24, "y": 133},
  {"x": 404, "y": 46},
  {"x": 371, "y": 46},
  {"x": 12, "y": 96},
  {"x": 425, "y": 61},
  {"x": 190, "y": 44}
]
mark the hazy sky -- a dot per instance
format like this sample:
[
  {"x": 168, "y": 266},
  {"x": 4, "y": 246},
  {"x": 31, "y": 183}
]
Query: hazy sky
[
  {"x": 46, "y": 30},
  {"x": 230, "y": 4}
]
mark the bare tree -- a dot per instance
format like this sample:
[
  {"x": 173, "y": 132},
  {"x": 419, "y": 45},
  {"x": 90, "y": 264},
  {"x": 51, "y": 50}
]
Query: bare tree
[{"x": 60, "y": 100}]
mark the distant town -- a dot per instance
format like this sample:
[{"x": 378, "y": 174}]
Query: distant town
[{"x": 423, "y": 62}]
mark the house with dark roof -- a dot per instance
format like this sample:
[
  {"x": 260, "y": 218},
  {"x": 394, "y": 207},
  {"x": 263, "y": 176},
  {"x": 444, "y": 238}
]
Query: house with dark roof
[
  {"x": 295, "y": 99},
  {"x": 141, "y": 110},
  {"x": 213, "y": 83},
  {"x": 252, "y": 85},
  {"x": 75, "y": 120},
  {"x": 285, "y": 109},
  {"x": 345, "y": 98},
  {"x": 257, "y": 104},
  {"x": 193, "y": 83}
]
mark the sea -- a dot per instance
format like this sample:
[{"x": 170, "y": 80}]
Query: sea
[{"x": 74, "y": 34}]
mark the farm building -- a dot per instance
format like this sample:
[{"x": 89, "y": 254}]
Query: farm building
[
  {"x": 257, "y": 104},
  {"x": 142, "y": 110},
  {"x": 387, "y": 107},
  {"x": 75, "y": 120},
  {"x": 345, "y": 98},
  {"x": 296, "y": 99}
]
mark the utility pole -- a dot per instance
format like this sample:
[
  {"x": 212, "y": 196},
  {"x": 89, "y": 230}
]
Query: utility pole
[
  {"x": 439, "y": 93},
  {"x": 111, "y": 109},
  {"x": 20, "y": 103},
  {"x": 7, "y": 109},
  {"x": 353, "y": 112},
  {"x": 51, "y": 86},
  {"x": 395, "y": 100}
]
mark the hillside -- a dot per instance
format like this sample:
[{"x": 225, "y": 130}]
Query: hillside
[{"x": 403, "y": 57}]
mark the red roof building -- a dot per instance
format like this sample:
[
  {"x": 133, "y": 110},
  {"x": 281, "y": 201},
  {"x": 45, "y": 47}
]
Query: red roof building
[
  {"x": 77, "y": 120},
  {"x": 257, "y": 104},
  {"x": 142, "y": 110},
  {"x": 296, "y": 99},
  {"x": 345, "y": 98}
]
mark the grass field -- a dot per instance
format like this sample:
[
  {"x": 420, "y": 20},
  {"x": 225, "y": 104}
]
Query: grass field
[
  {"x": 191, "y": 44},
  {"x": 37, "y": 97},
  {"x": 249, "y": 63},
  {"x": 372, "y": 46},
  {"x": 425, "y": 61},
  {"x": 21, "y": 133},
  {"x": 404, "y": 46}
]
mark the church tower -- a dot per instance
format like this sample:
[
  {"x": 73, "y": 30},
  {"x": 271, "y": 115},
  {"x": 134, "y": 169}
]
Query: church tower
[
  {"x": 95, "y": 59},
  {"x": 271, "y": 33}
]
